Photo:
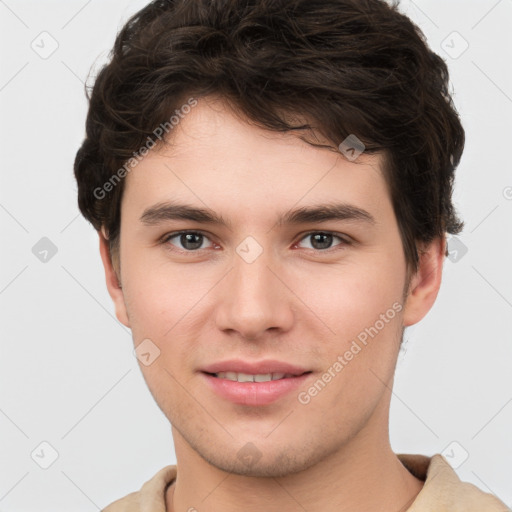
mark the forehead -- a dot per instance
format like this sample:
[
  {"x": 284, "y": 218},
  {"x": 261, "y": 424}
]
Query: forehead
[{"x": 217, "y": 157}]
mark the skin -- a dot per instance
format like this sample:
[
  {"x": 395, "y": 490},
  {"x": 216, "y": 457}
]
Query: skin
[{"x": 296, "y": 303}]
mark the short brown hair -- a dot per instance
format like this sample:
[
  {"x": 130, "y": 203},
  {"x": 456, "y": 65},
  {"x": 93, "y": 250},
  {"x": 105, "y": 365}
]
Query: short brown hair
[{"x": 351, "y": 67}]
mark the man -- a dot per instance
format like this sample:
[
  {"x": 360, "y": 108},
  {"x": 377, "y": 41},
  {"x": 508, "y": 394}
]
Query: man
[{"x": 271, "y": 184}]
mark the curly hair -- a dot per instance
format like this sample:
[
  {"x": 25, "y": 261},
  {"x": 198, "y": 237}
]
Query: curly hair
[{"x": 349, "y": 67}]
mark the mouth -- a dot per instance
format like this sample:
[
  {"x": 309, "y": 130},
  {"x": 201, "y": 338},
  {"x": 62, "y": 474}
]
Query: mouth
[{"x": 259, "y": 377}]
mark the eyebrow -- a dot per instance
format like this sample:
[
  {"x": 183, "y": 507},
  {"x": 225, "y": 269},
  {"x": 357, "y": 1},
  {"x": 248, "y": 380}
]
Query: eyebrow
[{"x": 166, "y": 211}]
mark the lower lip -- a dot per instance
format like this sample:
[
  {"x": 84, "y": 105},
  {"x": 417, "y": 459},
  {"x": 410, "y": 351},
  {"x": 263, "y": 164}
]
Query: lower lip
[{"x": 254, "y": 393}]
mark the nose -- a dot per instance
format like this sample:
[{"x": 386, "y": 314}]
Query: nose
[{"x": 254, "y": 298}]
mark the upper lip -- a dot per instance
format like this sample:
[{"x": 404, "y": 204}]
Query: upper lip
[{"x": 254, "y": 368}]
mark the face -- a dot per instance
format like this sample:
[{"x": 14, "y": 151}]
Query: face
[{"x": 322, "y": 293}]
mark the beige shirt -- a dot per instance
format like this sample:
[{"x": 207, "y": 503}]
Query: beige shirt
[{"x": 442, "y": 492}]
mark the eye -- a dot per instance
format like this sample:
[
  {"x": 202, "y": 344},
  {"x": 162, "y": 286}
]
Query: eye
[
  {"x": 322, "y": 240},
  {"x": 190, "y": 241},
  {"x": 193, "y": 241}
]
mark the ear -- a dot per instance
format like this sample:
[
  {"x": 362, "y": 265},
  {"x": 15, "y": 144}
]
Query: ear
[
  {"x": 114, "y": 288},
  {"x": 425, "y": 282}
]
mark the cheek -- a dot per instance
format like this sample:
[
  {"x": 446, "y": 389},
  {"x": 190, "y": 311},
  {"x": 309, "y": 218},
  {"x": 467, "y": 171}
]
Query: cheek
[
  {"x": 158, "y": 293},
  {"x": 341, "y": 299},
  {"x": 352, "y": 296}
]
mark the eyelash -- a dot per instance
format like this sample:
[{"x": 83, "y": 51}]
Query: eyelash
[{"x": 343, "y": 238}]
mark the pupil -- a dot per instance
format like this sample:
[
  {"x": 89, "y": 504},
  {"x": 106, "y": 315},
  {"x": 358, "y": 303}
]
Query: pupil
[
  {"x": 187, "y": 238},
  {"x": 323, "y": 245}
]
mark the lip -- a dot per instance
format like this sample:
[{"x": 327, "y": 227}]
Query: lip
[
  {"x": 266, "y": 366},
  {"x": 254, "y": 393}
]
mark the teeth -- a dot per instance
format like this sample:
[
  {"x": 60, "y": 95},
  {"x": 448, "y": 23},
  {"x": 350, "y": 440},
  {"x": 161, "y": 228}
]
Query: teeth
[
  {"x": 263, "y": 378},
  {"x": 246, "y": 377}
]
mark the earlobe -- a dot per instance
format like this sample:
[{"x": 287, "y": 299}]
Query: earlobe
[
  {"x": 425, "y": 283},
  {"x": 113, "y": 284}
]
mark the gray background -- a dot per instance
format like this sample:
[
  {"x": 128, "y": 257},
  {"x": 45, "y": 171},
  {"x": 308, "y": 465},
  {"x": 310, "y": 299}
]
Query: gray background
[{"x": 68, "y": 374}]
